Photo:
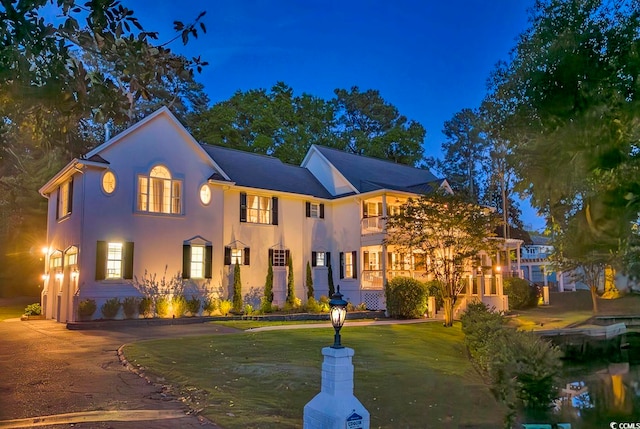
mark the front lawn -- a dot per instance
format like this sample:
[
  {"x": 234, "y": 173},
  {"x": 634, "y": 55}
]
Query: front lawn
[{"x": 407, "y": 376}]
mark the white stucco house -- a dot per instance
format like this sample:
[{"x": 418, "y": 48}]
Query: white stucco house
[{"x": 153, "y": 200}]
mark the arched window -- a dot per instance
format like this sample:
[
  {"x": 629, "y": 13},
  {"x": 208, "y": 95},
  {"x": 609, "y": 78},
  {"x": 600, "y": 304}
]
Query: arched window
[{"x": 159, "y": 193}]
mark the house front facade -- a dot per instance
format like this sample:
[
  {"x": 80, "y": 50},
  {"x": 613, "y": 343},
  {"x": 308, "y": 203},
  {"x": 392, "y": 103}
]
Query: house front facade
[{"x": 152, "y": 206}]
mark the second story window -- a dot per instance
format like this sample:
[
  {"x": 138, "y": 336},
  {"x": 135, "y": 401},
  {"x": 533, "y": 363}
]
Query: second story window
[
  {"x": 315, "y": 210},
  {"x": 258, "y": 209},
  {"x": 65, "y": 198},
  {"x": 159, "y": 193}
]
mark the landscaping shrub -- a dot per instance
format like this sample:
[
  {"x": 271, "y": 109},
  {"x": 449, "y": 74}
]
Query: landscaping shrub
[
  {"x": 210, "y": 305},
  {"x": 130, "y": 306},
  {"x": 312, "y": 306},
  {"x": 145, "y": 307},
  {"x": 110, "y": 308},
  {"x": 33, "y": 309},
  {"x": 479, "y": 325},
  {"x": 406, "y": 298},
  {"x": 86, "y": 308},
  {"x": 248, "y": 309},
  {"x": 324, "y": 304},
  {"x": 268, "y": 287},
  {"x": 162, "y": 306},
  {"x": 522, "y": 367},
  {"x": 266, "y": 306},
  {"x": 225, "y": 307},
  {"x": 521, "y": 294},
  {"x": 193, "y": 306},
  {"x": 178, "y": 305}
]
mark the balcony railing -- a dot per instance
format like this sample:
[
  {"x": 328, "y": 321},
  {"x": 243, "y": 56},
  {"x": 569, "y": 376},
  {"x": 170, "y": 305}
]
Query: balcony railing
[
  {"x": 372, "y": 225},
  {"x": 372, "y": 279}
]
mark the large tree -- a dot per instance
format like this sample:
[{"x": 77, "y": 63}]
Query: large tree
[
  {"x": 60, "y": 82},
  {"x": 281, "y": 124},
  {"x": 570, "y": 97},
  {"x": 451, "y": 232}
]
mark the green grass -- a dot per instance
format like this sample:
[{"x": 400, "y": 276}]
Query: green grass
[
  {"x": 11, "y": 308},
  {"x": 407, "y": 376}
]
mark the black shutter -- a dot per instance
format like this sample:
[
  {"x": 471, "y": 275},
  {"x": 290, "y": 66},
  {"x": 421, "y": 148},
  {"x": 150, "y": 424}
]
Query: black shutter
[
  {"x": 243, "y": 206},
  {"x": 307, "y": 207},
  {"x": 365, "y": 212},
  {"x": 128, "y": 260},
  {"x": 379, "y": 209},
  {"x": 274, "y": 211},
  {"x": 208, "y": 255},
  {"x": 365, "y": 256},
  {"x": 321, "y": 211},
  {"x": 247, "y": 257},
  {"x": 354, "y": 261},
  {"x": 186, "y": 261},
  {"x": 70, "y": 199},
  {"x": 328, "y": 258},
  {"x": 314, "y": 257},
  {"x": 270, "y": 261},
  {"x": 227, "y": 255},
  {"x": 101, "y": 260},
  {"x": 286, "y": 257},
  {"x": 341, "y": 265}
]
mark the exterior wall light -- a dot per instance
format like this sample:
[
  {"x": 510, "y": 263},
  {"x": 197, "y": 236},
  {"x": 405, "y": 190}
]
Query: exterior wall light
[
  {"x": 74, "y": 274},
  {"x": 59, "y": 276},
  {"x": 337, "y": 313}
]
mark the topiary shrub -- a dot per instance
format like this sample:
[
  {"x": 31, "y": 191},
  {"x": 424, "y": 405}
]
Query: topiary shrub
[
  {"x": 145, "y": 307},
  {"x": 130, "y": 306},
  {"x": 110, "y": 308},
  {"x": 193, "y": 306},
  {"x": 237, "y": 289},
  {"x": 521, "y": 294},
  {"x": 86, "y": 308},
  {"x": 406, "y": 298}
]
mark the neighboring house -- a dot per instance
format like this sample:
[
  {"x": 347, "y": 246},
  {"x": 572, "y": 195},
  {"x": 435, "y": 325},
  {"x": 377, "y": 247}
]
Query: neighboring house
[{"x": 152, "y": 201}]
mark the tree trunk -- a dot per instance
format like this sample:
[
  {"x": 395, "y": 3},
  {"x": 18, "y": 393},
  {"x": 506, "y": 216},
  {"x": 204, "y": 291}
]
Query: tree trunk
[
  {"x": 594, "y": 298},
  {"x": 448, "y": 311}
]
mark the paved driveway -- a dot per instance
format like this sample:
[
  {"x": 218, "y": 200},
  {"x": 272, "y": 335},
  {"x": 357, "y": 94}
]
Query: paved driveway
[{"x": 52, "y": 376}]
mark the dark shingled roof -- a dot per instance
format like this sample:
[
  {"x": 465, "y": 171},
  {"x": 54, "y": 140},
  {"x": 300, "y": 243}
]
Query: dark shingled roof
[
  {"x": 265, "y": 172},
  {"x": 370, "y": 174}
]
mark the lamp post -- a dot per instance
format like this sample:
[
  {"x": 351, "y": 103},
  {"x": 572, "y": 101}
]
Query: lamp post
[
  {"x": 335, "y": 407},
  {"x": 337, "y": 313}
]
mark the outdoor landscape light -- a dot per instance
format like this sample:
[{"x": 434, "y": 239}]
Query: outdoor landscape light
[{"x": 337, "y": 313}]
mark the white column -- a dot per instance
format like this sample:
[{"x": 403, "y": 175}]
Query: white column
[{"x": 335, "y": 407}]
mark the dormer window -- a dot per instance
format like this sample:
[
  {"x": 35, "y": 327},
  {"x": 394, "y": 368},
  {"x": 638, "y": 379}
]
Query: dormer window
[{"x": 159, "y": 193}]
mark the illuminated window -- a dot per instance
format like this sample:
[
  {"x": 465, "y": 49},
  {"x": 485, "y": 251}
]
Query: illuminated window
[
  {"x": 235, "y": 255},
  {"x": 320, "y": 259},
  {"x": 196, "y": 260},
  {"x": 108, "y": 182},
  {"x": 114, "y": 260},
  {"x": 258, "y": 209},
  {"x": 65, "y": 198},
  {"x": 205, "y": 194},
  {"x": 158, "y": 193},
  {"x": 348, "y": 265}
]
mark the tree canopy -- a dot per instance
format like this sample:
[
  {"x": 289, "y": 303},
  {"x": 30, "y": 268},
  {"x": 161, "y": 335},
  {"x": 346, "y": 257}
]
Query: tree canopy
[
  {"x": 567, "y": 104},
  {"x": 66, "y": 69},
  {"x": 281, "y": 124}
]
